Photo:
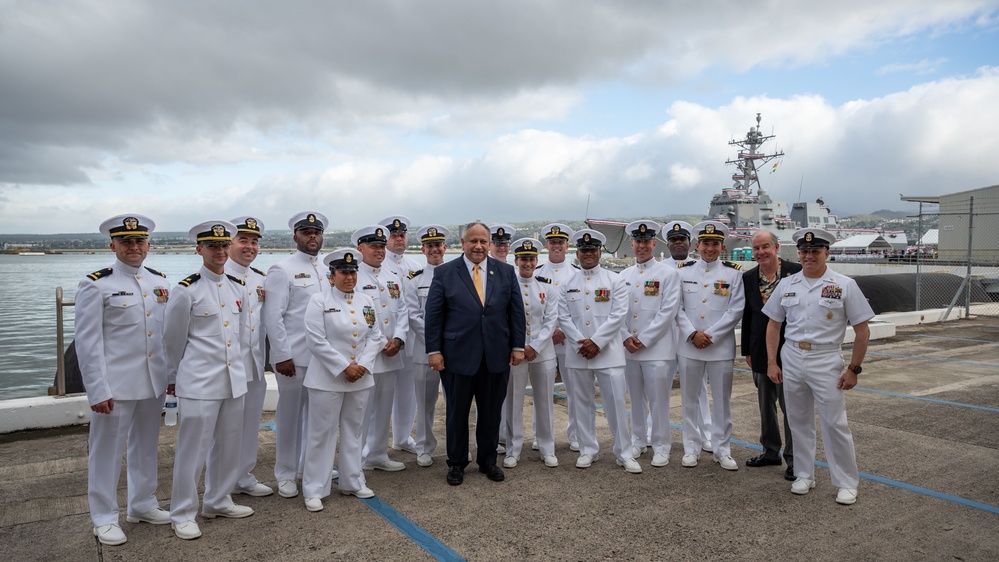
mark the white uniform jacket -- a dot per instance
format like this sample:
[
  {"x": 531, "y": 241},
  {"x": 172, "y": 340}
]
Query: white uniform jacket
[
  {"x": 558, "y": 273},
  {"x": 288, "y": 287},
  {"x": 819, "y": 313},
  {"x": 713, "y": 302},
  {"x": 119, "y": 333},
  {"x": 253, "y": 304},
  {"x": 416, "y": 289},
  {"x": 203, "y": 322},
  {"x": 541, "y": 308},
  {"x": 384, "y": 286},
  {"x": 592, "y": 304},
  {"x": 653, "y": 301},
  {"x": 404, "y": 266},
  {"x": 341, "y": 329}
]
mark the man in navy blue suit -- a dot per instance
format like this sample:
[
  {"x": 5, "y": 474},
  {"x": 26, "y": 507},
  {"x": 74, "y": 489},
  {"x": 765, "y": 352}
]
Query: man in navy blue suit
[{"x": 474, "y": 331}]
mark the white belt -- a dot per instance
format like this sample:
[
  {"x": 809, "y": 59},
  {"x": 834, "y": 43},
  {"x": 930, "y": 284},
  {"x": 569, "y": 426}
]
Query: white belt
[{"x": 808, "y": 346}]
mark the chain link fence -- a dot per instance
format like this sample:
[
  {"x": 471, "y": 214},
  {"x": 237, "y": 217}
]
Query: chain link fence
[{"x": 956, "y": 253}]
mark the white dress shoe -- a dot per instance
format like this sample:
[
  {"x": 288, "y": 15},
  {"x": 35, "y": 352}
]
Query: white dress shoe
[
  {"x": 551, "y": 461},
  {"x": 727, "y": 462},
  {"x": 631, "y": 466},
  {"x": 689, "y": 461},
  {"x": 188, "y": 530},
  {"x": 534, "y": 446},
  {"x": 156, "y": 516},
  {"x": 363, "y": 493},
  {"x": 287, "y": 489},
  {"x": 386, "y": 465},
  {"x": 706, "y": 447},
  {"x": 584, "y": 461},
  {"x": 111, "y": 535},
  {"x": 257, "y": 490},
  {"x": 334, "y": 474},
  {"x": 234, "y": 511},
  {"x": 510, "y": 462},
  {"x": 424, "y": 460},
  {"x": 409, "y": 446},
  {"x": 660, "y": 459},
  {"x": 313, "y": 504},
  {"x": 801, "y": 486},
  {"x": 638, "y": 451},
  {"x": 500, "y": 449},
  {"x": 574, "y": 446},
  {"x": 846, "y": 496}
]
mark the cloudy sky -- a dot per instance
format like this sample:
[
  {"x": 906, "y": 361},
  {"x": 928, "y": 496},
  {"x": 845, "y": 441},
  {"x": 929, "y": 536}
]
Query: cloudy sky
[{"x": 449, "y": 110}]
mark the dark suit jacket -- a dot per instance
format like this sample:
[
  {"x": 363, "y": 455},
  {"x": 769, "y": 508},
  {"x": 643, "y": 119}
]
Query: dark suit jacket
[
  {"x": 754, "y": 322},
  {"x": 458, "y": 326}
]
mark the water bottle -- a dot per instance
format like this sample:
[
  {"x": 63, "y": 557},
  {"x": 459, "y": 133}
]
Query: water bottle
[{"x": 170, "y": 417}]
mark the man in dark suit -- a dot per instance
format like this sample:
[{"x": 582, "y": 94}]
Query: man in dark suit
[
  {"x": 475, "y": 330},
  {"x": 759, "y": 283}
]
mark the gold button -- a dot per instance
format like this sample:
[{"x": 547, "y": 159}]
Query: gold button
[
  {"x": 148, "y": 314},
  {"x": 528, "y": 322},
  {"x": 527, "y": 294},
  {"x": 704, "y": 300},
  {"x": 636, "y": 300},
  {"x": 351, "y": 310},
  {"x": 220, "y": 284},
  {"x": 587, "y": 292},
  {"x": 150, "y": 353},
  {"x": 150, "y": 334},
  {"x": 355, "y": 322},
  {"x": 634, "y": 331},
  {"x": 587, "y": 277},
  {"x": 353, "y": 346},
  {"x": 702, "y": 316},
  {"x": 705, "y": 284},
  {"x": 225, "y": 324},
  {"x": 587, "y": 307},
  {"x": 145, "y": 295},
  {"x": 556, "y": 283},
  {"x": 123, "y": 305},
  {"x": 587, "y": 322},
  {"x": 355, "y": 334},
  {"x": 384, "y": 305},
  {"x": 228, "y": 363},
  {"x": 253, "y": 329},
  {"x": 206, "y": 313},
  {"x": 634, "y": 316},
  {"x": 223, "y": 305}
]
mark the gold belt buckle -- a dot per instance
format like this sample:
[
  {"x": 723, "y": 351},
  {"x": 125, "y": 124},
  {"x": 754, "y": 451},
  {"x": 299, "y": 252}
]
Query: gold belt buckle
[{"x": 805, "y": 345}]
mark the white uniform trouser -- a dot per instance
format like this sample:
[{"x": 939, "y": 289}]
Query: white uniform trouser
[
  {"x": 404, "y": 403},
  {"x": 693, "y": 372},
  {"x": 212, "y": 427},
  {"x": 541, "y": 375},
  {"x": 612, "y": 390},
  {"x": 139, "y": 422},
  {"x": 375, "y": 428},
  {"x": 810, "y": 379},
  {"x": 328, "y": 412},
  {"x": 649, "y": 385},
  {"x": 253, "y": 405},
  {"x": 289, "y": 421},
  {"x": 571, "y": 428},
  {"x": 703, "y": 417},
  {"x": 428, "y": 389}
]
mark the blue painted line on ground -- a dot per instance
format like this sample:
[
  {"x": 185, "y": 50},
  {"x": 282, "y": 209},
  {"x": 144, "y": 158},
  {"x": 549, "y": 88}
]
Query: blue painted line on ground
[
  {"x": 413, "y": 532},
  {"x": 882, "y": 480},
  {"x": 925, "y": 399},
  {"x": 934, "y": 359},
  {"x": 269, "y": 425},
  {"x": 950, "y": 338}
]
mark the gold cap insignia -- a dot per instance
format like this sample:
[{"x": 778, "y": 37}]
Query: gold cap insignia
[
  {"x": 379, "y": 232},
  {"x": 809, "y": 237},
  {"x": 396, "y": 223},
  {"x": 556, "y": 230},
  {"x": 431, "y": 231},
  {"x": 642, "y": 228},
  {"x": 311, "y": 217},
  {"x": 131, "y": 223},
  {"x": 528, "y": 245},
  {"x": 348, "y": 257},
  {"x": 251, "y": 223},
  {"x": 500, "y": 232},
  {"x": 709, "y": 229},
  {"x": 586, "y": 237},
  {"x": 218, "y": 230}
]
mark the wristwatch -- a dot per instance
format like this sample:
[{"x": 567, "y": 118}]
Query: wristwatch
[{"x": 857, "y": 369}]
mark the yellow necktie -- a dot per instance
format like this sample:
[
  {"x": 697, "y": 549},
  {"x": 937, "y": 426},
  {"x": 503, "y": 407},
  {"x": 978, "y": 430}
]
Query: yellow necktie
[{"x": 477, "y": 281}]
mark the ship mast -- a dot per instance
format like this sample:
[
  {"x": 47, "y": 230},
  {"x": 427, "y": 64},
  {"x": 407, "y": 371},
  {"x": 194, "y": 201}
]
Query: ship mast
[{"x": 750, "y": 159}]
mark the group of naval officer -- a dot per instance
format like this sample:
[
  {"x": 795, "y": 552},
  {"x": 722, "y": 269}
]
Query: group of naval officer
[{"x": 347, "y": 341}]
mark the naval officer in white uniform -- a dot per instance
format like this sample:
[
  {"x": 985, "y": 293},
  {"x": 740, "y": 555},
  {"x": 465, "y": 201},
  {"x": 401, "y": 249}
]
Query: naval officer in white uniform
[
  {"x": 344, "y": 339},
  {"x": 289, "y": 286},
  {"x": 500, "y": 238},
  {"x": 384, "y": 286},
  {"x": 650, "y": 341},
  {"x": 592, "y": 305},
  {"x": 404, "y": 401},
  {"x": 817, "y": 304},
  {"x": 205, "y": 333},
  {"x": 712, "y": 304},
  {"x": 242, "y": 252},
  {"x": 559, "y": 268},
  {"x": 676, "y": 234},
  {"x": 427, "y": 381},
  {"x": 538, "y": 367},
  {"x": 119, "y": 342}
]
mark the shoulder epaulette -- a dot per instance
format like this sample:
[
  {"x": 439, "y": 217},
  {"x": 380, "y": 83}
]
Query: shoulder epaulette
[
  {"x": 686, "y": 263},
  {"x": 543, "y": 279},
  {"x": 414, "y": 274},
  {"x": 188, "y": 281},
  {"x": 154, "y": 272},
  {"x": 540, "y": 265},
  {"x": 100, "y": 274},
  {"x": 731, "y": 264},
  {"x": 577, "y": 267},
  {"x": 235, "y": 279},
  {"x": 258, "y": 271}
]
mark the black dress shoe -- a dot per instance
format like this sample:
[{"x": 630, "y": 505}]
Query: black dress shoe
[
  {"x": 492, "y": 472},
  {"x": 763, "y": 460},
  {"x": 455, "y": 475},
  {"x": 789, "y": 473}
]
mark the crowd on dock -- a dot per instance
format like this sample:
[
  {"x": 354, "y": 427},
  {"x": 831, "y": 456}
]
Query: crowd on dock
[{"x": 363, "y": 339}]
